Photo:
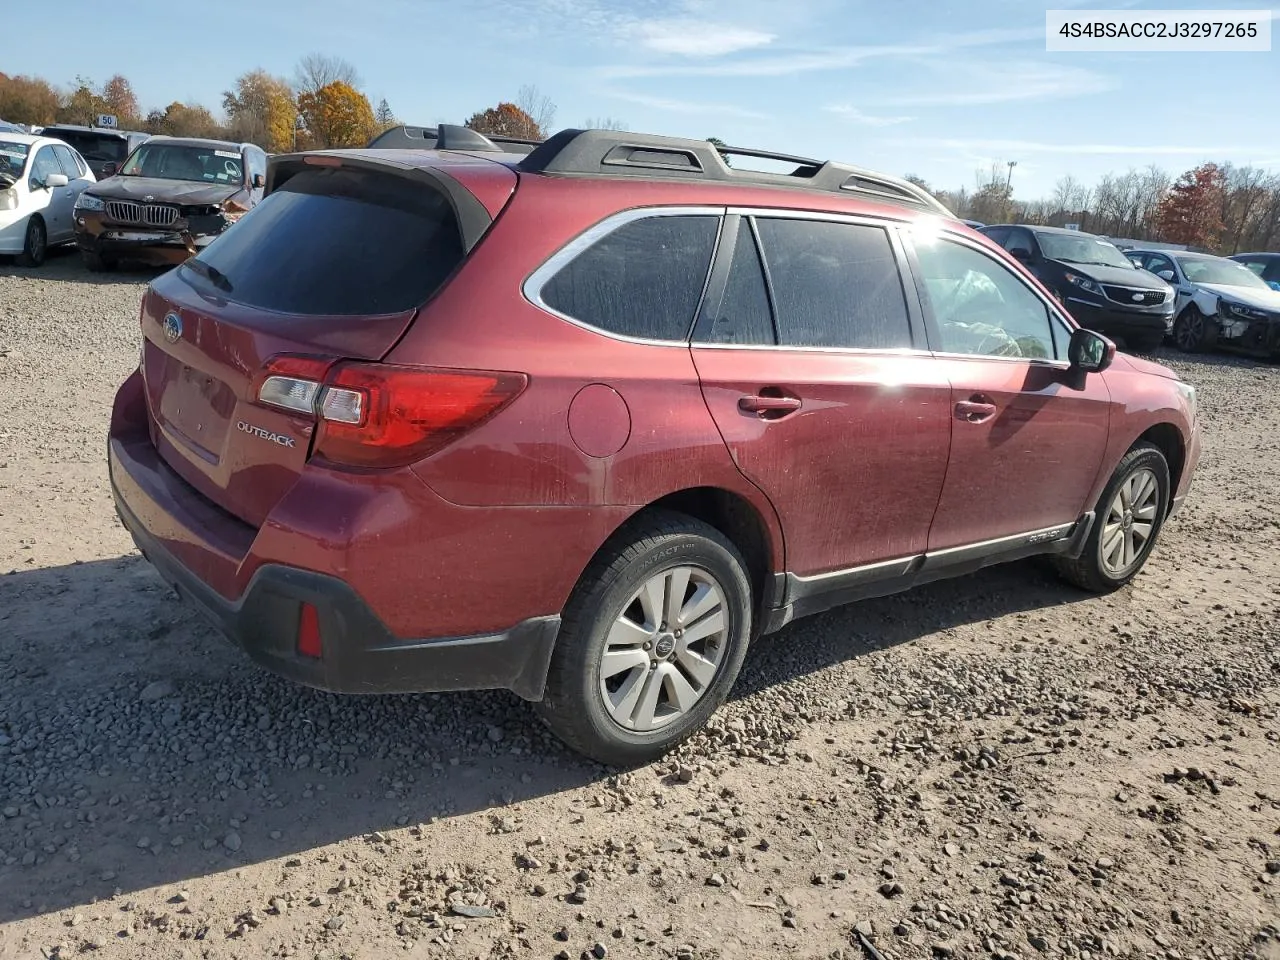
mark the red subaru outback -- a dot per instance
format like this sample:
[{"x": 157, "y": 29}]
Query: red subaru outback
[{"x": 583, "y": 423}]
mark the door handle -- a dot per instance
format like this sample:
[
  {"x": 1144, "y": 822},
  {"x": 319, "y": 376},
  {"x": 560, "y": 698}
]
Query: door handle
[
  {"x": 769, "y": 407},
  {"x": 974, "y": 411}
]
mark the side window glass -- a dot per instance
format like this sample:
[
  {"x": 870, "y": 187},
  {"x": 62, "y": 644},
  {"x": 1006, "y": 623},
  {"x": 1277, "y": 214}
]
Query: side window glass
[
  {"x": 1157, "y": 264},
  {"x": 744, "y": 316},
  {"x": 1019, "y": 241},
  {"x": 980, "y": 306},
  {"x": 643, "y": 279},
  {"x": 835, "y": 285},
  {"x": 1257, "y": 266},
  {"x": 67, "y": 161},
  {"x": 997, "y": 235},
  {"x": 45, "y": 163}
]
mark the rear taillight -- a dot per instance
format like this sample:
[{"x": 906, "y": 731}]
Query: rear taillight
[{"x": 379, "y": 415}]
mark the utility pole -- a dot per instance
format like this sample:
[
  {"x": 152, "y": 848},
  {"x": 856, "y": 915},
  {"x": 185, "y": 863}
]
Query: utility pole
[{"x": 1008, "y": 184}]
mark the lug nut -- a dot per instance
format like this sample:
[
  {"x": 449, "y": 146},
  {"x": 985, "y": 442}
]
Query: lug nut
[{"x": 648, "y": 645}]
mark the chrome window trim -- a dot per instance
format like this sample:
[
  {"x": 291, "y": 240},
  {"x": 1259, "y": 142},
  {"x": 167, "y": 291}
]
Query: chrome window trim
[{"x": 533, "y": 284}]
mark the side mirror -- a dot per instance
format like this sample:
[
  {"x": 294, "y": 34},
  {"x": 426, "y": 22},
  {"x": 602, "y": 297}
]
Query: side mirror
[
  {"x": 1022, "y": 256},
  {"x": 1090, "y": 352},
  {"x": 259, "y": 181},
  {"x": 55, "y": 180},
  {"x": 1167, "y": 275}
]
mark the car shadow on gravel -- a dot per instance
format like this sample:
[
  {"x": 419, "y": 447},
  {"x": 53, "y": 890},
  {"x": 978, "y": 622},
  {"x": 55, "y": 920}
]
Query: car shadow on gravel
[
  {"x": 139, "y": 750},
  {"x": 63, "y": 264}
]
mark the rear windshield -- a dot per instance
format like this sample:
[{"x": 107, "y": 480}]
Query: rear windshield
[
  {"x": 93, "y": 146},
  {"x": 338, "y": 243}
]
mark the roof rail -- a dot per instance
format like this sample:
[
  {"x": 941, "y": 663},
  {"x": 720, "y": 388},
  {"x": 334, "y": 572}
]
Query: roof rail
[
  {"x": 447, "y": 136},
  {"x": 619, "y": 153}
]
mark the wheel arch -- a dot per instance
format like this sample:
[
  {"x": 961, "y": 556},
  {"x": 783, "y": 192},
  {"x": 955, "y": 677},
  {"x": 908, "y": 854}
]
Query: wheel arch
[
  {"x": 743, "y": 522},
  {"x": 1167, "y": 438}
]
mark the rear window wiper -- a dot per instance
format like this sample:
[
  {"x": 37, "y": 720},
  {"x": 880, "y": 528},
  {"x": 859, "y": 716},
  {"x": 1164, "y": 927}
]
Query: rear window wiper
[{"x": 212, "y": 274}]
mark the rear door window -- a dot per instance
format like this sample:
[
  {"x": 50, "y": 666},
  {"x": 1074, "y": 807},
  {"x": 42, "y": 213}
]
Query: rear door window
[
  {"x": 644, "y": 279},
  {"x": 68, "y": 161},
  {"x": 834, "y": 285},
  {"x": 744, "y": 317},
  {"x": 337, "y": 242}
]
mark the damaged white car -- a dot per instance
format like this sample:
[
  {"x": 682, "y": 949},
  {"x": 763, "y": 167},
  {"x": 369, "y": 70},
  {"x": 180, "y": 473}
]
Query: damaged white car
[{"x": 1220, "y": 303}]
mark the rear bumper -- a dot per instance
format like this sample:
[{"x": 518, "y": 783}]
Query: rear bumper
[
  {"x": 199, "y": 550},
  {"x": 1107, "y": 319},
  {"x": 359, "y": 654}
]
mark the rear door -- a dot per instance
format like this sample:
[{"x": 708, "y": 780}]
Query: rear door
[
  {"x": 818, "y": 378},
  {"x": 76, "y": 182},
  {"x": 334, "y": 262},
  {"x": 1027, "y": 442}
]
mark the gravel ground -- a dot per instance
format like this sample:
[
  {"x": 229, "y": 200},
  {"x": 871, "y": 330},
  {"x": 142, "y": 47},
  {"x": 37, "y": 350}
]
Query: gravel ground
[{"x": 998, "y": 766}]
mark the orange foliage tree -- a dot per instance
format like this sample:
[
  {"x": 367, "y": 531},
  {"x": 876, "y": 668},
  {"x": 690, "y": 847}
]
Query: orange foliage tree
[
  {"x": 184, "y": 120},
  {"x": 261, "y": 110},
  {"x": 29, "y": 100},
  {"x": 121, "y": 101},
  {"x": 1191, "y": 212},
  {"x": 337, "y": 115},
  {"x": 506, "y": 120}
]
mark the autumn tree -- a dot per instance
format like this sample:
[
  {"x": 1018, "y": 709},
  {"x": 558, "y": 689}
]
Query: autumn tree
[
  {"x": 316, "y": 71},
  {"x": 337, "y": 115},
  {"x": 919, "y": 181},
  {"x": 83, "y": 104},
  {"x": 120, "y": 100},
  {"x": 184, "y": 120},
  {"x": 262, "y": 111},
  {"x": 28, "y": 100},
  {"x": 1191, "y": 213},
  {"x": 505, "y": 120}
]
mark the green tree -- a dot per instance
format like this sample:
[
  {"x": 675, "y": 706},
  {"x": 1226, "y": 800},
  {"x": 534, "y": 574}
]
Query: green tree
[
  {"x": 720, "y": 145},
  {"x": 83, "y": 104},
  {"x": 184, "y": 120}
]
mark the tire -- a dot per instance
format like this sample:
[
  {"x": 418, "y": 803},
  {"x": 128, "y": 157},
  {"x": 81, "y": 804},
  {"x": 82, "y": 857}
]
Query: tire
[
  {"x": 582, "y": 699},
  {"x": 96, "y": 262},
  {"x": 1193, "y": 332},
  {"x": 1094, "y": 570},
  {"x": 35, "y": 245}
]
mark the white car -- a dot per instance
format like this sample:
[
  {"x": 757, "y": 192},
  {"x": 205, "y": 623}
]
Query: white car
[
  {"x": 1220, "y": 302},
  {"x": 40, "y": 180}
]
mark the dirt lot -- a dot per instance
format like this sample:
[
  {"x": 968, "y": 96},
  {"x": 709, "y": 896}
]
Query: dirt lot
[{"x": 996, "y": 766}]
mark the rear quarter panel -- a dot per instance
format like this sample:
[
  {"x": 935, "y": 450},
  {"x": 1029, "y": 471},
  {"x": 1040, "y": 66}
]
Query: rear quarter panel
[{"x": 526, "y": 455}]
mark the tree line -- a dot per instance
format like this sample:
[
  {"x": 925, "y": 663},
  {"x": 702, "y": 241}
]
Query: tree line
[
  {"x": 321, "y": 106},
  {"x": 1216, "y": 207}
]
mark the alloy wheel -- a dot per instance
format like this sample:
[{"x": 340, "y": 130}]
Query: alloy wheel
[
  {"x": 665, "y": 649},
  {"x": 1190, "y": 331},
  {"x": 1130, "y": 522}
]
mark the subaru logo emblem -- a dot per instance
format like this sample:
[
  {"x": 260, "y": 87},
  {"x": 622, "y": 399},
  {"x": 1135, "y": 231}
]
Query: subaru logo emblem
[{"x": 172, "y": 327}]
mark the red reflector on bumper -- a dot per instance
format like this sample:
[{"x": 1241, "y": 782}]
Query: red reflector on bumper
[{"x": 309, "y": 632}]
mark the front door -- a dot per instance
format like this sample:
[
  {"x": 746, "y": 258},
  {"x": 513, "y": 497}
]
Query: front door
[
  {"x": 818, "y": 381},
  {"x": 1027, "y": 440}
]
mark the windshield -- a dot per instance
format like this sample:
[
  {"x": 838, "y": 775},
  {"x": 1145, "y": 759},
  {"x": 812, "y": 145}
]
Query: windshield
[
  {"x": 1056, "y": 246},
  {"x": 103, "y": 148},
  {"x": 1216, "y": 270},
  {"x": 13, "y": 158},
  {"x": 170, "y": 161}
]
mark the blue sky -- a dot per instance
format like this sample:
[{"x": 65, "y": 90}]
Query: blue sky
[{"x": 930, "y": 87}]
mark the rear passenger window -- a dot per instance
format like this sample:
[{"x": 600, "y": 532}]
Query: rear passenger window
[
  {"x": 744, "y": 316},
  {"x": 643, "y": 279},
  {"x": 834, "y": 285}
]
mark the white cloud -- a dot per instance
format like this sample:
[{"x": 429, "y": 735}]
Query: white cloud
[
  {"x": 812, "y": 59},
  {"x": 1016, "y": 147},
  {"x": 697, "y": 38},
  {"x": 686, "y": 106},
  {"x": 857, "y": 116},
  {"x": 974, "y": 84}
]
